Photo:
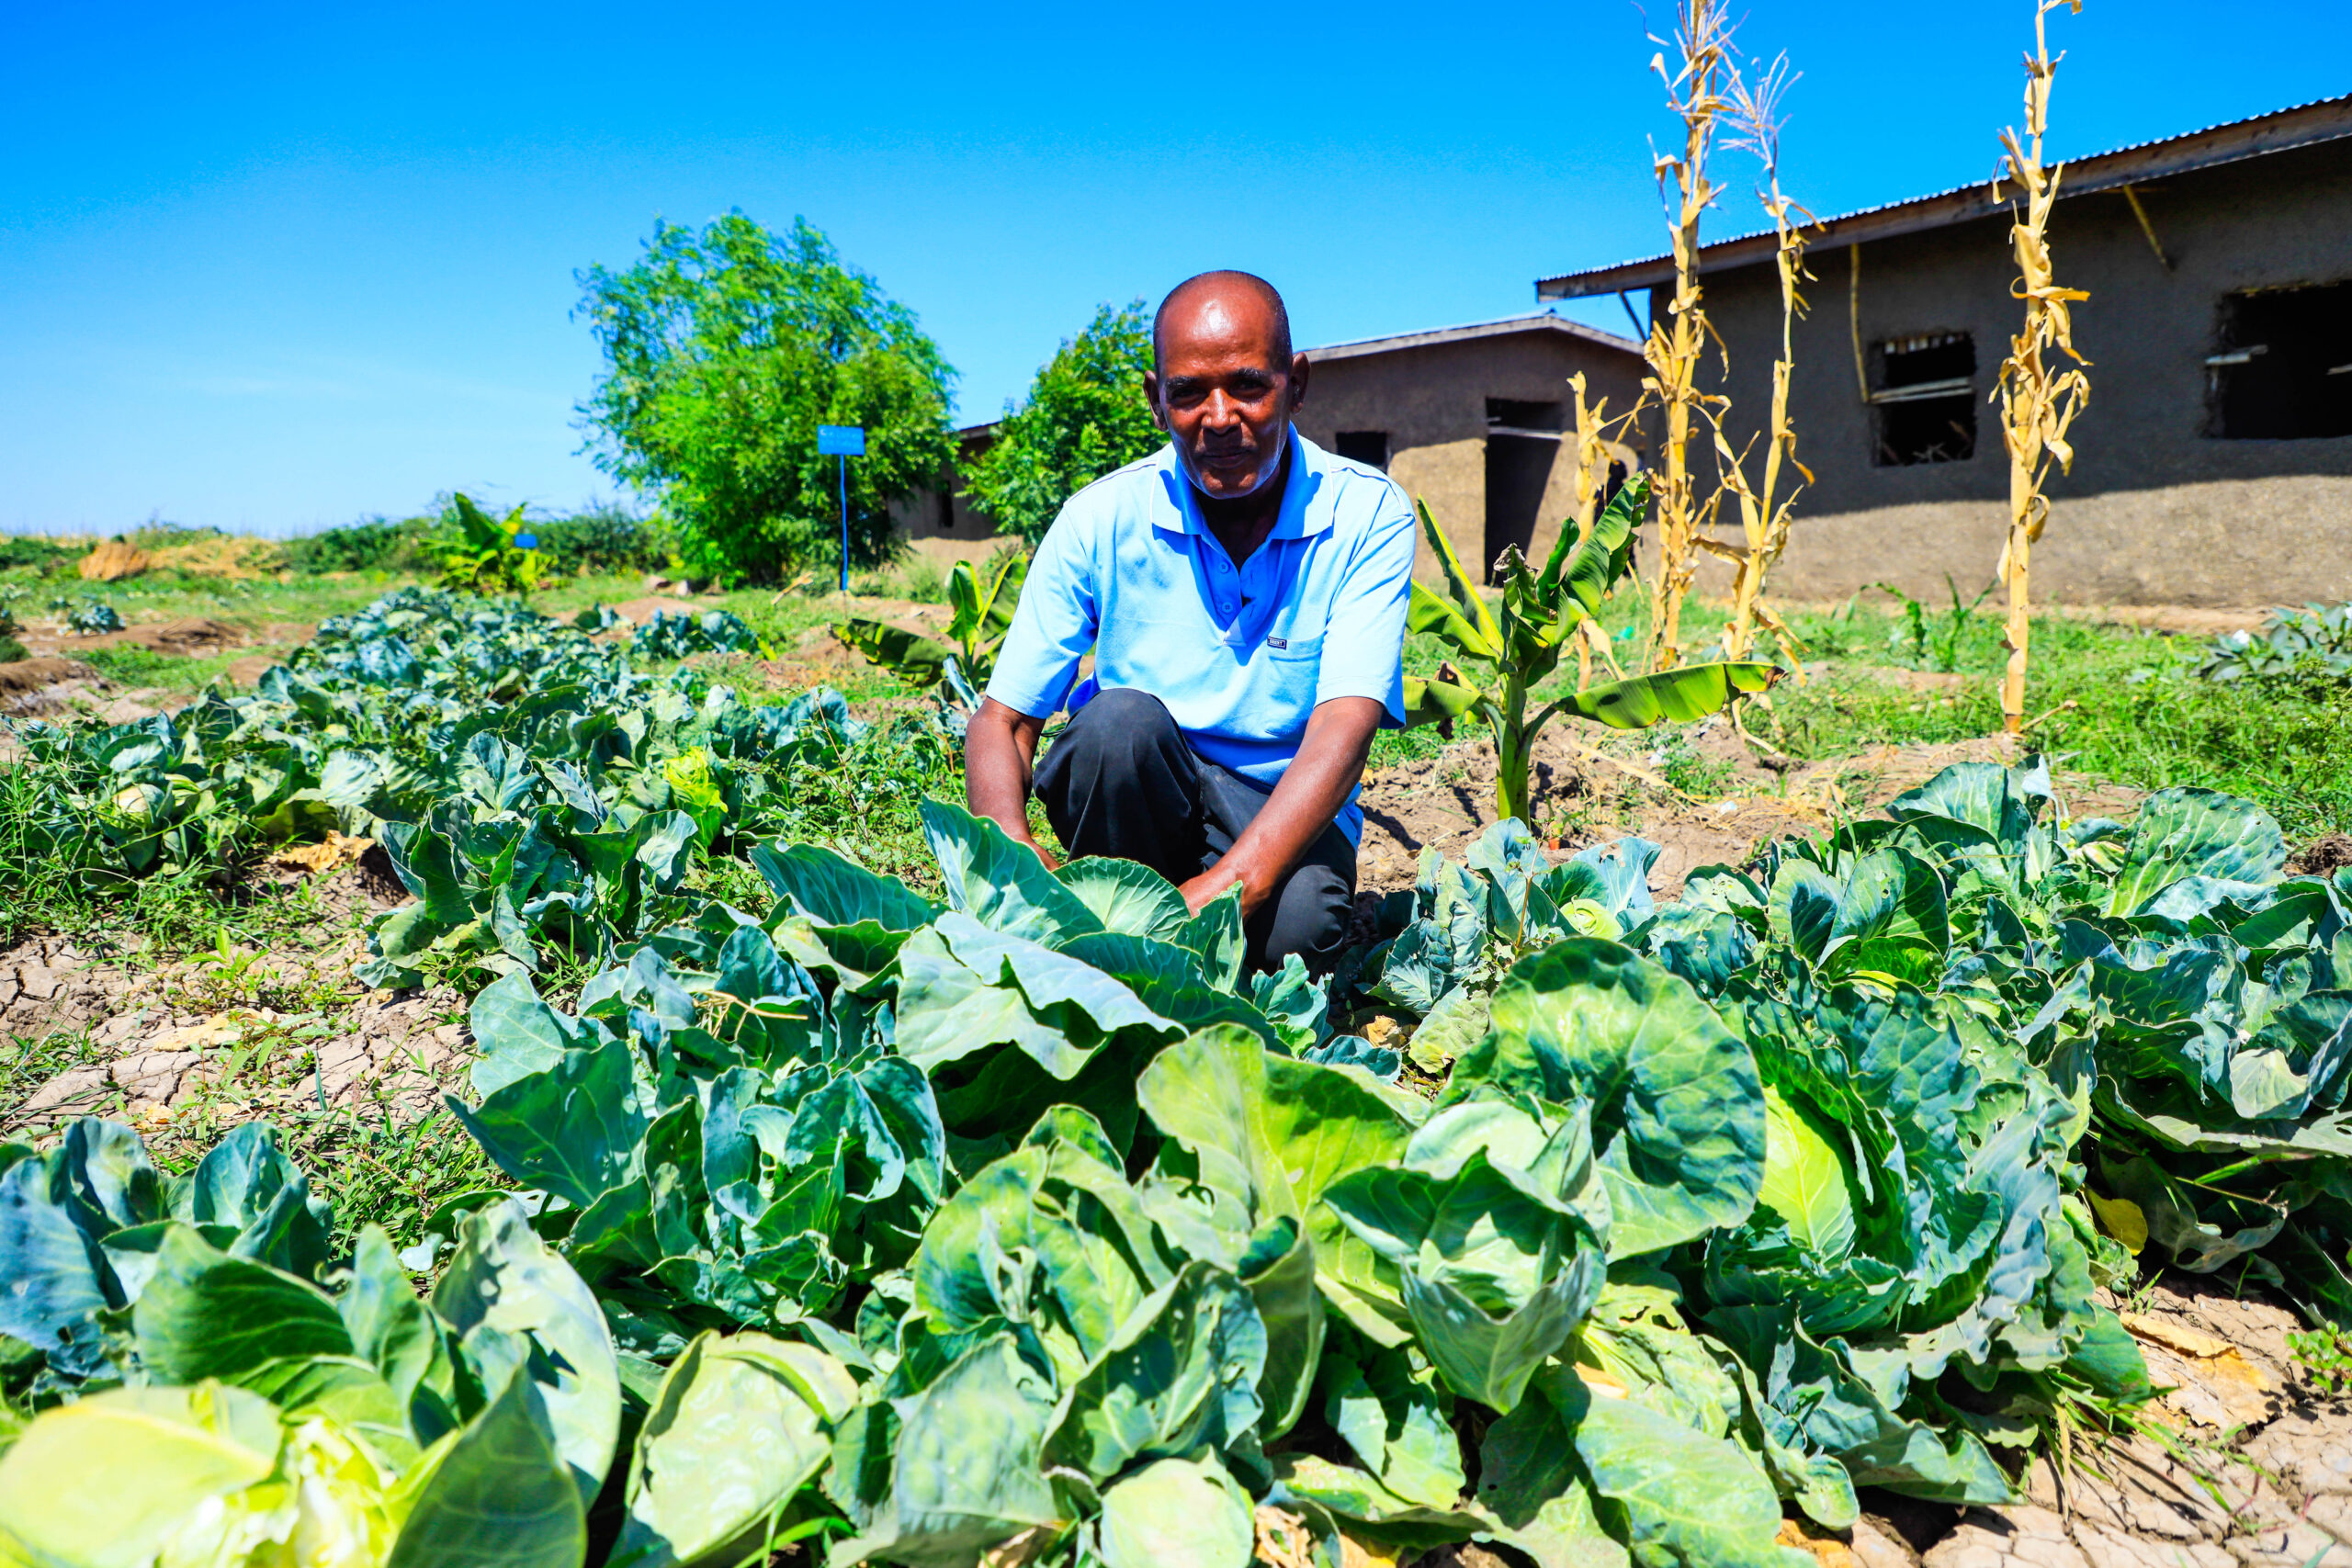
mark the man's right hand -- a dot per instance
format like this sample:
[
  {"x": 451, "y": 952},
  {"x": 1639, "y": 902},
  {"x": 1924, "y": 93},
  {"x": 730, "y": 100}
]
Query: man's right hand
[{"x": 1000, "y": 757}]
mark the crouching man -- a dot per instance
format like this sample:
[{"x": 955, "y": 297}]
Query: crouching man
[{"x": 1244, "y": 593}]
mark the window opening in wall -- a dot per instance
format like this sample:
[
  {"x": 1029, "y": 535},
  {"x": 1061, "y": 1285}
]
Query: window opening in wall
[
  {"x": 946, "y": 510},
  {"x": 1923, "y": 399},
  {"x": 1363, "y": 446},
  {"x": 2283, "y": 368},
  {"x": 1516, "y": 415}
]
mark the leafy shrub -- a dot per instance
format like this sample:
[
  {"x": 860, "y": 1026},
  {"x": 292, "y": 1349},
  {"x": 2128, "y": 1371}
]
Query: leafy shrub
[
  {"x": 42, "y": 554},
  {"x": 1084, "y": 416},
  {"x": 377, "y": 544},
  {"x": 601, "y": 539},
  {"x": 725, "y": 350}
]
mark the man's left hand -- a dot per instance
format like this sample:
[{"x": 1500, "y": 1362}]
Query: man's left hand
[{"x": 1309, "y": 793}]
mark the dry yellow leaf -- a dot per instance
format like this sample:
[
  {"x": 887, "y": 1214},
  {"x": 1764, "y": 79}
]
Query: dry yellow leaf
[
  {"x": 1600, "y": 1383},
  {"x": 1283, "y": 1539},
  {"x": 2177, "y": 1337},
  {"x": 1354, "y": 1553},
  {"x": 1826, "y": 1550},
  {"x": 330, "y": 854},
  {"x": 2121, "y": 1218}
]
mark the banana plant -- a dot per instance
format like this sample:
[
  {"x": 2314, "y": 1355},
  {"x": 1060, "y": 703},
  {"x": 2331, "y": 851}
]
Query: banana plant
[
  {"x": 482, "y": 554},
  {"x": 982, "y": 600},
  {"x": 1512, "y": 653}
]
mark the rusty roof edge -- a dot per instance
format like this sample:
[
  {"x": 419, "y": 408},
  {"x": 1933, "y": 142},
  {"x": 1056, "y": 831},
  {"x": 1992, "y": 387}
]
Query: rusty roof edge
[
  {"x": 1538, "y": 320},
  {"x": 2302, "y": 126}
]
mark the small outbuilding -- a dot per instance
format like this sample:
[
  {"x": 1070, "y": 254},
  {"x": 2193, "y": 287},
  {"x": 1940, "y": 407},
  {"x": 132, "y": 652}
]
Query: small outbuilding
[
  {"x": 1469, "y": 419},
  {"x": 2213, "y": 464}
]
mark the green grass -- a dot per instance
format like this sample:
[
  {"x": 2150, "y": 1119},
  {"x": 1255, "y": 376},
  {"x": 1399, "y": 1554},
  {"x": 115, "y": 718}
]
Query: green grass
[{"x": 2116, "y": 702}]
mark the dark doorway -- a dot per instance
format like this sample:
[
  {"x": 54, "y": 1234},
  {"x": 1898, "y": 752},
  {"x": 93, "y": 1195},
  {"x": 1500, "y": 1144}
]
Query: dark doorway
[
  {"x": 1923, "y": 399},
  {"x": 2284, "y": 368},
  {"x": 1363, "y": 446},
  {"x": 1518, "y": 467}
]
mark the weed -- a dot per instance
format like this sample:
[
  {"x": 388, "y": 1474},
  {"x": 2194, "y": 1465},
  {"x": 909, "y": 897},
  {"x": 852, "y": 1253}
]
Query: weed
[
  {"x": 2326, "y": 1354},
  {"x": 26, "y": 1061},
  {"x": 1694, "y": 774}
]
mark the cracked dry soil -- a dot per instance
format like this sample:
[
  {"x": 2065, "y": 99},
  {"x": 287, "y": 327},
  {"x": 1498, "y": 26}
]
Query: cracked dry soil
[{"x": 245, "y": 1037}]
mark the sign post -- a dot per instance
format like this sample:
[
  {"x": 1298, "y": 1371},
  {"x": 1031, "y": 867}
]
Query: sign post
[{"x": 840, "y": 443}]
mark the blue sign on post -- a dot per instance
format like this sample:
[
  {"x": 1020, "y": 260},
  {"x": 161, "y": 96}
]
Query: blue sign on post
[{"x": 840, "y": 443}]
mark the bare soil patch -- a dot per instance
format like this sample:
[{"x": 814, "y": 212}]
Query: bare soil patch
[
  {"x": 2326, "y": 853},
  {"x": 188, "y": 638},
  {"x": 1600, "y": 790},
  {"x": 236, "y": 1039}
]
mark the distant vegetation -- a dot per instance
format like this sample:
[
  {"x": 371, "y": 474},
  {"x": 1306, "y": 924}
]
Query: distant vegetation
[
  {"x": 1085, "y": 416},
  {"x": 725, "y": 349}
]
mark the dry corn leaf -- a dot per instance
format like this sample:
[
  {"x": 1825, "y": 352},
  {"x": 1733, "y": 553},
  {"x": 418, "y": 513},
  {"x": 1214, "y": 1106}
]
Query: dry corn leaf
[
  {"x": 2121, "y": 1218},
  {"x": 2177, "y": 1337},
  {"x": 2211, "y": 1355}
]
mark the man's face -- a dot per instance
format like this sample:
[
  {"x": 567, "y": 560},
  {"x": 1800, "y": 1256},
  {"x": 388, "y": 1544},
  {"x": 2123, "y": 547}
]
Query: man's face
[{"x": 1222, "y": 394}]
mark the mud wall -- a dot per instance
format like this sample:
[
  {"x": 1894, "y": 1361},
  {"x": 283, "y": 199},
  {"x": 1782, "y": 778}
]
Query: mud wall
[
  {"x": 2156, "y": 510},
  {"x": 1430, "y": 398}
]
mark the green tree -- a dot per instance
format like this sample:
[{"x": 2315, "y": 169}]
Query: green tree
[
  {"x": 725, "y": 350},
  {"x": 1085, "y": 415}
]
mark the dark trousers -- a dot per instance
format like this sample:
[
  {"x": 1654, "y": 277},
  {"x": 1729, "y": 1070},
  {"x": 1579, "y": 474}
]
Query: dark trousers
[{"x": 1119, "y": 780}]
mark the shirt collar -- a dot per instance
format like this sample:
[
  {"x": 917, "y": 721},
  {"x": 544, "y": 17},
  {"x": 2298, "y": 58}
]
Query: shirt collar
[{"x": 1307, "y": 499}]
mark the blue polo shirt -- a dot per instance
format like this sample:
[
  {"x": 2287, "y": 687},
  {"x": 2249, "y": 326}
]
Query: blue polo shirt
[{"x": 1241, "y": 655}]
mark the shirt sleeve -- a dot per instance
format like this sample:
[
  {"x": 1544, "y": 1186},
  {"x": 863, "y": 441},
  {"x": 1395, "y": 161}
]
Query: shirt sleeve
[
  {"x": 1054, "y": 624},
  {"x": 1364, "y": 646}
]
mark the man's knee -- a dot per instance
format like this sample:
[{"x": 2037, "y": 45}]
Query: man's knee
[
  {"x": 1119, "y": 726},
  {"x": 1310, "y": 916}
]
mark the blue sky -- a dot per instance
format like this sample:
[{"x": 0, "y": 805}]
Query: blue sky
[{"x": 276, "y": 267}]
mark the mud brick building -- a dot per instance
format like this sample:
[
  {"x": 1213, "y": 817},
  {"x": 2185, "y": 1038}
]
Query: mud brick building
[
  {"x": 2214, "y": 461},
  {"x": 1469, "y": 419}
]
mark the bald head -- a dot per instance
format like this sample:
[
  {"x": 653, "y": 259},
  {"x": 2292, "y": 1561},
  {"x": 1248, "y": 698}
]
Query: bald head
[
  {"x": 1224, "y": 382},
  {"x": 1230, "y": 299}
]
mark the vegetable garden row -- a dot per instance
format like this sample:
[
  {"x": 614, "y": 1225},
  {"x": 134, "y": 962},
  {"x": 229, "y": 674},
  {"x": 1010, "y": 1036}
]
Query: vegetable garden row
[{"x": 1026, "y": 1225}]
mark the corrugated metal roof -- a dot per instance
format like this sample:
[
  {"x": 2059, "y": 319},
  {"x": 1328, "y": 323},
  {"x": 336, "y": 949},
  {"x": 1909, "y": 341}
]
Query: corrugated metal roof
[
  {"x": 1533, "y": 320},
  {"x": 2322, "y": 119}
]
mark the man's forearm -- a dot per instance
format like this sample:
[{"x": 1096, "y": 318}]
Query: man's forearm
[
  {"x": 1308, "y": 796},
  {"x": 1000, "y": 748}
]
